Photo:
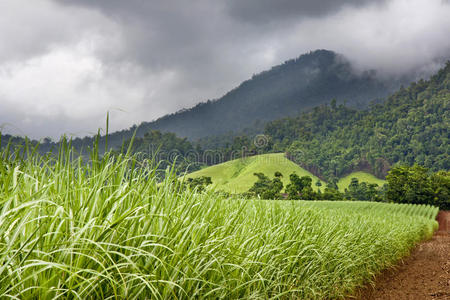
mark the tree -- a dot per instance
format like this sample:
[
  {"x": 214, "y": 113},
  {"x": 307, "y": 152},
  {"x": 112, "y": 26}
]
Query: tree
[
  {"x": 440, "y": 185},
  {"x": 410, "y": 127},
  {"x": 362, "y": 191},
  {"x": 199, "y": 182},
  {"x": 266, "y": 188},
  {"x": 331, "y": 194},
  {"x": 333, "y": 104},
  {"x": 318, "y": 184},
  {"x": 300, "y": 187},
  {"x": 412, "y": 185},
  {"x": 332, "y": 184}
]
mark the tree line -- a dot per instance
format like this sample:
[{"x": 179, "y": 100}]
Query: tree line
[{"x": 412, "y": 185}]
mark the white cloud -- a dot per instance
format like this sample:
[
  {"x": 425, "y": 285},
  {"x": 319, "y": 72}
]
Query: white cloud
[
  {"x": 398, "y": 37},
  {"x": 28, "y": 28},
  {"x": 67, "y": 83}
]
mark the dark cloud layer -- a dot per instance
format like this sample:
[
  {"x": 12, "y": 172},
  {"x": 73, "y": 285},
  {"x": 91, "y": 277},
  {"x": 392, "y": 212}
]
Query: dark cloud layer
[
  {"x": 263, "y": 11},
  {"x": 71, "y": 61}
]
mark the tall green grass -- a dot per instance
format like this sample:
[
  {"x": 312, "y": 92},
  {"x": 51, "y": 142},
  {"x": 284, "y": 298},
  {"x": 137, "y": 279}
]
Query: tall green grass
[{"x": 106, "y": 229}]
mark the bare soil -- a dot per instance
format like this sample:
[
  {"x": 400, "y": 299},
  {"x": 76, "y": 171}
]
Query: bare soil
[{"x": 425, "y": 274}]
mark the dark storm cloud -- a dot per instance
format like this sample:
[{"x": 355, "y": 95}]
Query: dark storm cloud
[
  {"x": 259, "y": 11},
  {"x": 161, "y": 33},
  {"x": 207, "y": 42},
  {"x": 197, "y": 41},
  {"x": 28, "y": 30}
]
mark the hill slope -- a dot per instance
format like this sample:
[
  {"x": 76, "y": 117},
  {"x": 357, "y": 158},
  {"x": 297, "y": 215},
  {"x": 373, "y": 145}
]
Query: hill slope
[
  {"x": 344, "y": 182},
  {"x": 236, "y": 176}
]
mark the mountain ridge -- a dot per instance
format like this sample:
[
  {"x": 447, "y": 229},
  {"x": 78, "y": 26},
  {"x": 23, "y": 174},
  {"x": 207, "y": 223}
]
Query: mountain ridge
[{"x": 296, "y": 85}]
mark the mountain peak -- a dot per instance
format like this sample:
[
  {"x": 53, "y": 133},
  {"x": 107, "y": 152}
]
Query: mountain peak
[
  {"x": 284, "y": 90},
  {"x": 295, "y": 85}
]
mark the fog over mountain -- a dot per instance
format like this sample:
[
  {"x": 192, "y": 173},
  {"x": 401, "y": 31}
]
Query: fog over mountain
[
  {"x": 64, "y": 64},
  {"x": 284, "y": 90}
]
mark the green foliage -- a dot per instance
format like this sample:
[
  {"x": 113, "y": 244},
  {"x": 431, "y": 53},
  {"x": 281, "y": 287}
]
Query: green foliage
[
  {"x": 266, "y": 188},
  {"x": 199, "y": 183},
  {"x": 363, "y": 191},
  {"x": 415, "y": 185},
  {"x": 300, "y": 187},
  {"x": 166, "y": 150},
  {"x": 331, "y": 194},
  {"x": 332, "y": 184},
  {"x": 440, "y": 185},
  {"x": 410, "y": 127}
]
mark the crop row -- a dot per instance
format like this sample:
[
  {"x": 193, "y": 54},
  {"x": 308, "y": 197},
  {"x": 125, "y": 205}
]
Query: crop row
[
  {"x": 421, "y": 210},
  {"x": 106, "y": 229}
]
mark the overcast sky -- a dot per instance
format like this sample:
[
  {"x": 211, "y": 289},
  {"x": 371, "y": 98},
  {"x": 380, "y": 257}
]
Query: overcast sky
[{"x": 65, "y": 63}]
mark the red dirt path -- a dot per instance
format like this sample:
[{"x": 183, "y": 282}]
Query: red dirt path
[{"x": 423, "y": 275}]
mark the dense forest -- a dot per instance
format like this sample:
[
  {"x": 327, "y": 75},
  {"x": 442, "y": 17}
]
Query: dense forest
[
  {"x": 411, "y": 126},
  {"x": 164, "y": 150}
]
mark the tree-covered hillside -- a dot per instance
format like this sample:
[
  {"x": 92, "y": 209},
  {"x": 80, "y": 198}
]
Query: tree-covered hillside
[
  {"x": 412, "y": 126},
  {"x": 165, "y": 150},
  {"x": 284, "y": 90}
]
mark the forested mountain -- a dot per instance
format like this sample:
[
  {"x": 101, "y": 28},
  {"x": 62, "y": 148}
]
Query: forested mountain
[
  {"x": 332, "y": 140},
  {"x": 165, "y": 149},
  {"x": 297, "y": 85},
  {"x": 284, "y": 90},
  {"x": 411, "y": 127}
]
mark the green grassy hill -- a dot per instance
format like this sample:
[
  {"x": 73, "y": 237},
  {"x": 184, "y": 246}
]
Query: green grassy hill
[
  {"x": 236, "y": 176},
  {"x": 362, "y": 177}
]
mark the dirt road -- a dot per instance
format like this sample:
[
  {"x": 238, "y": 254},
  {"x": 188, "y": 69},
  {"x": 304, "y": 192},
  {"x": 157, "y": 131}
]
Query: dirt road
[{"x": 423, "y": 275}]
